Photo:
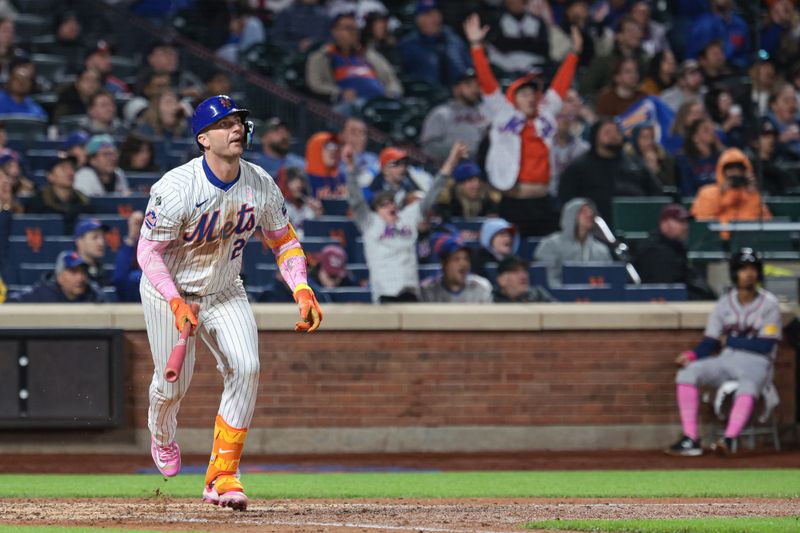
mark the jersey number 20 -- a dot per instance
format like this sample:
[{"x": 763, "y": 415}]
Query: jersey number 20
[{"x": 238, "y": 244}]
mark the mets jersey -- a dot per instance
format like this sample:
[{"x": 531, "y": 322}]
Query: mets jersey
[
  {"x": 744, "y": 325},
  {"x": 208, "y": 222}
]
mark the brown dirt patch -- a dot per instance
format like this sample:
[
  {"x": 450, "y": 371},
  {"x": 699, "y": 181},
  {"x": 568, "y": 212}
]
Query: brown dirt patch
[{"x": 340, "y": 516}]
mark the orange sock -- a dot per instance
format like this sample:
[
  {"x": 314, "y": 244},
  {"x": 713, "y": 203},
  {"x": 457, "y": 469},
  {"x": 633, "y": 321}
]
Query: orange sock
[{"x": 225, "y": 456}]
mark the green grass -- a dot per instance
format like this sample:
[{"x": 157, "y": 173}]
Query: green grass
[
  {"x": 770, "y": 483},
  {"x": 783, "y": 524}
]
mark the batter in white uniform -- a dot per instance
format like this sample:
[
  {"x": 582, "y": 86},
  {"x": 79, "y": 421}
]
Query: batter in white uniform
[{"x": 199, "y": 218}]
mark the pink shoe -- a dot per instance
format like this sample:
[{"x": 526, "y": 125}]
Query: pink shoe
[
  {"x": 235, "y": 499},
  {"x": 167, "y": 458}
]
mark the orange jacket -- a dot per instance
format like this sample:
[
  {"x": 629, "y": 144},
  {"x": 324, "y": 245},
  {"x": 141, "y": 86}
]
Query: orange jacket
[{"x": 711, "y": 203}]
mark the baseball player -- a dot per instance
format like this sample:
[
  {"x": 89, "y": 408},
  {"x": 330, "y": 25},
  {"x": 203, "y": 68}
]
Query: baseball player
[
  {"x": 746, "y": 325},
  {"x": 199, "y": 218}
]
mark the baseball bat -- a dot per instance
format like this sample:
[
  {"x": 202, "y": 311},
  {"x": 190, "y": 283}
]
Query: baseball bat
[{"x": 175, "y": 361}]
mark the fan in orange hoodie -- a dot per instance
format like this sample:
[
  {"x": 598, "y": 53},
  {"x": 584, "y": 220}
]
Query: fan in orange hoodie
[
  {"x": 323, "y": 154},
  {"x": 734, "y": 196}
]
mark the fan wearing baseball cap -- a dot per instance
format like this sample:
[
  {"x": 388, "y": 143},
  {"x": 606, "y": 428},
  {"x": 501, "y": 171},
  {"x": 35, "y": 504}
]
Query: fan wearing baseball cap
[
  {"x": 90, "y": 243},
  {"x": 331, "y": 270},
  {"x": 59, "y": 196},
  {"x": 662, "y": 257},
  {"x": 521, "y": 133},
  {"x": 455, "y": 284},
  {"x": 101, "y": 175},
  {"x": 393, "y": 177},
  {"x": 768, "y": 155},
  {"x": 68, "y": 283}
]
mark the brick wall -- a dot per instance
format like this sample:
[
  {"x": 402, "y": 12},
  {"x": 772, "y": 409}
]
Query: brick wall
[{"x": 414, "y": 378}]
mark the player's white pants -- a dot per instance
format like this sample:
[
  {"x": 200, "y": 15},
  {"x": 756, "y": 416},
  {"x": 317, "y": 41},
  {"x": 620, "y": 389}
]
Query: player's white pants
[{"x": 228, "y": 328}]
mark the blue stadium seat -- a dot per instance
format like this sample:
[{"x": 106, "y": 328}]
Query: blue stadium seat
[
  {"x": 341, "y": 228},
  {"x": 491, "y": 271},
  {"x": 587, "y": 293},
  {"x": 358, "y": 251},
  {"x": 45, "y": 224},
  {"x": 111, "y": 294},
  {"x": 30, "y": 273},
  {"x": 254, "y": 254},
  {"x": 119, "y": 205},
  {"x": 656, "y": 292},
  {"x": 595, "y": 273},
  {"x": 538, "y": 275},
  {"x": 39, "y": 177},
  {"x": 263, "y": 273},
  {"x": 17, "y": 289},
  {"x": 428, "y": 270},
  {"x": 335, "y": 207},
  {"x": 40, "y": 159},
  {"x": 360, "y": 272},
  {"x": 314, "y": 245},
  {"x": 527, "y": 247},
  {"x": 142, "y": 181},
  {"x": 468, "y": 224},
  {"x": 37, "y": 251},
  {"x": 349, "y": 294}
]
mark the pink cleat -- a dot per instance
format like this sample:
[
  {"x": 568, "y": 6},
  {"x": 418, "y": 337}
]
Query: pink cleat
[
  {"x": 167, "y": 458},
  {"x": 234, "y": 498}
]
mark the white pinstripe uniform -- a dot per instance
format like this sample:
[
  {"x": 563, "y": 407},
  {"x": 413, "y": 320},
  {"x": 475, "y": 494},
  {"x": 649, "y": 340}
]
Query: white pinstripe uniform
[{"x": 207, "y": 223}]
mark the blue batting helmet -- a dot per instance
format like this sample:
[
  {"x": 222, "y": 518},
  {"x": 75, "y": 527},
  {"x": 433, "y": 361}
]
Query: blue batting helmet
[{"x": 213, "y": 109}]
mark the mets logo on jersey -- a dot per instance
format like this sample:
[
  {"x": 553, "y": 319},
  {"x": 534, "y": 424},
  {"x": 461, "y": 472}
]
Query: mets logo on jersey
[
  {"x": 150, "y": 219},
  {"x": 209, "y": 228}
]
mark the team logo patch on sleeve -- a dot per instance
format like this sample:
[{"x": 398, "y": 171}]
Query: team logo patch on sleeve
[
  {"x": 150, "y": 219},
  {"x": 771, "y": 329}
]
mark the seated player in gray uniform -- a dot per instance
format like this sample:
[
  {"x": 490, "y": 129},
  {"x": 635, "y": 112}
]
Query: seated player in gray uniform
[{"x": 746, "y": 326}]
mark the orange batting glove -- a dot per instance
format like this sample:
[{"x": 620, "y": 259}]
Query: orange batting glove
[
  {"x": 310, "y": 313},
  {"x": 183, "y": 313}
]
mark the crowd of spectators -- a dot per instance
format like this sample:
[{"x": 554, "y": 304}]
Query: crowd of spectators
[{"x": 539, "y": 114}]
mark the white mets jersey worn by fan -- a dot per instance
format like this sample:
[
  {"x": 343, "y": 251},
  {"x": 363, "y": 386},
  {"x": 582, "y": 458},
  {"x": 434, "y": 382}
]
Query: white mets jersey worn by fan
[{"x": 208, "y": 222}]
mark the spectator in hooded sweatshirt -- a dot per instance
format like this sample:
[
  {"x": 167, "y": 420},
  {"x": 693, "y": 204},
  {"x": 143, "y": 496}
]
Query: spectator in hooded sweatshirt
[
  {"x": 522, "y": 130},
  {"x": 455, "y": 283},
  {"x": 323, "y": 154},
  {"x": 499, "y": 239},
  {"x": 68, "y": 283},
  {"x": 574, "y": 243},
  {"x": 735, "y": 195},
  {"x": 604, "y": 172}
]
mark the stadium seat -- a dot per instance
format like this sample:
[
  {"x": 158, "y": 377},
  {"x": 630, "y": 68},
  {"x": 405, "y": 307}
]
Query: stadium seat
[
  {"x": 702, "y": 239},
  {"x": 340, "y": 228},
  {"x": 360, "y": 273},
  {"x": 385, "y": 113},
  {"x": 25, "y": 127},
  {"x": 335, "y": 207},
  {"x": 527, "y": 247},
  {"x": 656, "y": 292},
  {"x": 637, "y": 214},
  {"x": 468, "y": 224},
  {"x": 43, "y": 224},
  {"x": 255, "y": 253},
  {"x": 40, "y": 159},
  {"x": 49, "y": 66},
  {"x": 785, "y": 206},
  {"x": 538, "y": 275},
  {"x": 36, "y": 248},
  {"x": 349, "y": 294},
  {"x": 119, "y": 205},
  {"x": 766, "y": 241},
  {"x": 262, "y": 273},
  {"x": 429, "y": 270},
  {"x": 592, "y": 273},
  {"x": 491, "y": 272},
  {"x": 582, "y": 293},
  {"x": 30, "y": 273},
  {"x": 142, "y": 181}
]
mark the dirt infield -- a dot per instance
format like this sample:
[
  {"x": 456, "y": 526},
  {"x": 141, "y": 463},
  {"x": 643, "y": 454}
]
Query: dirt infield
[
  {"x": 594, "y": 460},
  {"x": 340, "y": 516}
]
